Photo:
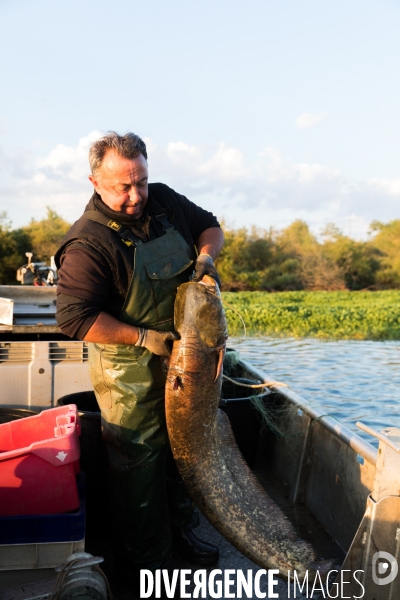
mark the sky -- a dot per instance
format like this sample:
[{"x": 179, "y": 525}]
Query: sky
[{"x": 263, "y": 111}]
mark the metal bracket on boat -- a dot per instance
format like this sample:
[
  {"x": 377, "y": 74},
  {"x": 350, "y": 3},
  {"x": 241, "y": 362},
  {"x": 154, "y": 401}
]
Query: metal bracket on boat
[{"x": 375, "y": 549}]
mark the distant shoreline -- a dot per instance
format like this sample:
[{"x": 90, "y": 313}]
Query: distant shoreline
[{"x": 340, "y": 315}]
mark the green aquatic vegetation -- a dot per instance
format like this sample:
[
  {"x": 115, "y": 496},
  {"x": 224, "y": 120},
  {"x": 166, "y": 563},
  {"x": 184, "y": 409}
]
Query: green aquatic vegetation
[{"x": 335, "y": 315}]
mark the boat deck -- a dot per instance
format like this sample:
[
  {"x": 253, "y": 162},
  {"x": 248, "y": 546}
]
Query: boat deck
[{"x": 230, "y": 558}]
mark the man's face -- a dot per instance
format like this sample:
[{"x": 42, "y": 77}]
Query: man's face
[{"x": 122, "y": 183}]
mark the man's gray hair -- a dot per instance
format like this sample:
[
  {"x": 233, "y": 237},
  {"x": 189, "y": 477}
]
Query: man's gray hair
[{"x": 128, "y": 146}]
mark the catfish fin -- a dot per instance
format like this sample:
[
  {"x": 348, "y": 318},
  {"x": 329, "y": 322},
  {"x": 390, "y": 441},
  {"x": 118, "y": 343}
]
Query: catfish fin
[{"x": 221, "y": 354}]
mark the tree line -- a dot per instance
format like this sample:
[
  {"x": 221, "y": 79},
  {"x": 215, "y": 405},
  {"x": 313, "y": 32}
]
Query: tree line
[
  {"x": 294, "y": 259},
  {"x": 272, "y": 260}
]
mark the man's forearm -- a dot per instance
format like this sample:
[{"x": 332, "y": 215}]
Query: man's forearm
[
  {"x": 210, "y": 242},
  {"x": 108, "y": 330}
]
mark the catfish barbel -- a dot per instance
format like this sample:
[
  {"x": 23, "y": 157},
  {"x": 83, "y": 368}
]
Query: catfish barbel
[{"x": 203, "y": 445}]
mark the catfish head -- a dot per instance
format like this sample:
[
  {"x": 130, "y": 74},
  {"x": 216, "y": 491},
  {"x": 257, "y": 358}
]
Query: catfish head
[{"x": 198, "y": 308}]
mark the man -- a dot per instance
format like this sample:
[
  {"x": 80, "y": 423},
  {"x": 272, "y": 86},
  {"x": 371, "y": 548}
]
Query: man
[{"x": 119, "y": 267}]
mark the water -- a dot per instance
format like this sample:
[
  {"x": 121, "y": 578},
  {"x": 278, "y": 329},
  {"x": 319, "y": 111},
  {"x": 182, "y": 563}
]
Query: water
[{"x": 350, "y": 380}]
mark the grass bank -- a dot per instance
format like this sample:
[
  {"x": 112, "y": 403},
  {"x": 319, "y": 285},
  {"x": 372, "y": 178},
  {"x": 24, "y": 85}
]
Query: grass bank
[{"x": 334, "y": 315}]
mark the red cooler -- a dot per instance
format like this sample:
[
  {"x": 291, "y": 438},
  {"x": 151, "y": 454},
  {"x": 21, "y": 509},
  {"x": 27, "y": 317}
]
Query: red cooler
[{"x": 39, "y": 460}]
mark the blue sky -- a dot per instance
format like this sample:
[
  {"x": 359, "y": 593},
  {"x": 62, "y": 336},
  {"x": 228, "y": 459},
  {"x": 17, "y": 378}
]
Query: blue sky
[{"x": 262, "y": 111}]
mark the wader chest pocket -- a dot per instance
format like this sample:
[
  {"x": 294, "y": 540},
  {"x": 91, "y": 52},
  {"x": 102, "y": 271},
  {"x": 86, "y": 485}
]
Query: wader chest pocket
[{"x": 168, "y": 266}]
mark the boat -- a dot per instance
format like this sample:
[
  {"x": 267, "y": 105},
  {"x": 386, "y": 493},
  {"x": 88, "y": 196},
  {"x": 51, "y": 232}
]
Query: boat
[{"x": 341, "y": 492}]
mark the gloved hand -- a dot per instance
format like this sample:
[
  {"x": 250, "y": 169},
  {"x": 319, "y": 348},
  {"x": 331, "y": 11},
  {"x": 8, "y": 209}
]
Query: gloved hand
[
  {"x": 158, "y": 342},
  {"x": 205, "y": 266}
]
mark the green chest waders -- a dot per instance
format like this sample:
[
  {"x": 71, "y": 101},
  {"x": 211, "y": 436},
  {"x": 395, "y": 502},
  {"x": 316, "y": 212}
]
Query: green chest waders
[{"x": 129, "y": 384}]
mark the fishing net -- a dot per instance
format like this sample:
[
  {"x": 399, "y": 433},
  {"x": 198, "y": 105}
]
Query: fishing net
[{"x": 275, "y": 413}]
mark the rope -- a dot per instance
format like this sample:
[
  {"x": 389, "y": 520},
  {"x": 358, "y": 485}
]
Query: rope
[
  {"x": 55, "y": 594},
  {"x": 99, "y": 570},
  {"x": 66, "y": 568},
  {"x": 238, "y": 314},
  {"x": 256, "y": 385},
  {"x": 267, "y": 416},
  {"x": 231, "y": 307}
]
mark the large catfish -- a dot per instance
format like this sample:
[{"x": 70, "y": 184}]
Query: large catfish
[{"x": 203, "y": 445}]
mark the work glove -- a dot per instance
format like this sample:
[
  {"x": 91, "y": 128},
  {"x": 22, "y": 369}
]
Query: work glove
[
  {"x": 158, "y": 342},
  {"x": 205, "y": 266}
]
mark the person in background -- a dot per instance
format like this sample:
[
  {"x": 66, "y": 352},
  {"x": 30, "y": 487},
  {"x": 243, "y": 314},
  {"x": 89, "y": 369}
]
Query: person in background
[{"x": 119, "y": 268}]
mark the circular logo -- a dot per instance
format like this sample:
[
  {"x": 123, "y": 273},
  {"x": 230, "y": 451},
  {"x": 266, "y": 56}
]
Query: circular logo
[{"x": 383, "y": 567}]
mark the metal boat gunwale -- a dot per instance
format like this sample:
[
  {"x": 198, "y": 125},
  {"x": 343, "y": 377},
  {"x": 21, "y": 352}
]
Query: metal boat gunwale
[{"x": 333, "y": 425}]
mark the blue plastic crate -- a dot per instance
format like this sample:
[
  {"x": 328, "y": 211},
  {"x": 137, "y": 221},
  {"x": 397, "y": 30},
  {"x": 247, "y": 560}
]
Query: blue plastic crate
[{"x": 40, "y": 529}]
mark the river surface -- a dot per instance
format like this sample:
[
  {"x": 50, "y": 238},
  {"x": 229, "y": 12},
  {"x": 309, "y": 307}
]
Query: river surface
[{"x": 350, "y": 380}]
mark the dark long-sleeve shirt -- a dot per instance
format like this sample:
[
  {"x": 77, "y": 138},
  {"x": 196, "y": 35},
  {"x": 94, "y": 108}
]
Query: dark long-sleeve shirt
[{"x": 95, "y": 266}]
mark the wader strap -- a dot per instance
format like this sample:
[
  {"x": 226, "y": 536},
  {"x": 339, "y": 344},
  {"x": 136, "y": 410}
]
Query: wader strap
[
  {"x": 126, "y": 235},
  {"x": 160, "y": 215}
]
